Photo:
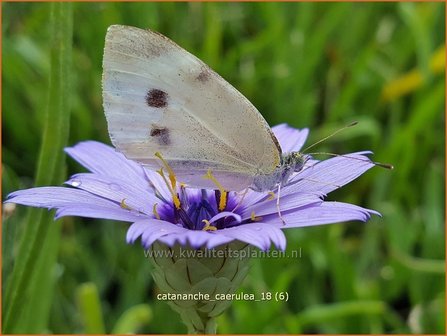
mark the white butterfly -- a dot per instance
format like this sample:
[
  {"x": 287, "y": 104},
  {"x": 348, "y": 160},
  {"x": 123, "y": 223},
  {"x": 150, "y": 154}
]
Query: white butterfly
[{"x": 160, "y": 98}]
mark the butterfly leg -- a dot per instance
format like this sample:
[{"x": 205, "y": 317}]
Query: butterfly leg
[
  {"x": 241, "y": 200},
  {"x": 278, "y": 208}
]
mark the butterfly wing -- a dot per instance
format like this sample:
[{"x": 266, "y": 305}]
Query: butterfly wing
[{"x": 160, "y": 98}]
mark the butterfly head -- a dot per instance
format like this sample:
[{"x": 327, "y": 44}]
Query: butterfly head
[{"x": 293, "y": 161}]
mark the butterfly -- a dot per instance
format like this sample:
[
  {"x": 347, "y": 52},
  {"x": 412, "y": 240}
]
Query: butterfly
[{"x": 159, "y": 98}]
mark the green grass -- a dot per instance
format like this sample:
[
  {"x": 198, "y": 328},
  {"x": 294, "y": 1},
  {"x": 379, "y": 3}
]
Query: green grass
[{"x": 317, "y": 65}]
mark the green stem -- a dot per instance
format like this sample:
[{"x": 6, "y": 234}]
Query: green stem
[
  {"x": 49, "y": 171},
  {"x": 90, "y": 308},
  {"x": 420, "y": 264}
]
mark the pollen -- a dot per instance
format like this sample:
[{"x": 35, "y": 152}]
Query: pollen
[
  {"x": 155, "y": 212},
  {"x": 255, "y": 218},
  {"x": 208, "y": 226},
  {"x": 123, "y": 205}
]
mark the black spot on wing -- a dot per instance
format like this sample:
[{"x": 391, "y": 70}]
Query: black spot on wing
[
  {"x": 157, "y": 98},
  {"x": 203, "y": 76},
  {"x": 161, "y": 134}
]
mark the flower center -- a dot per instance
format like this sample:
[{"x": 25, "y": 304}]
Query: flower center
[
  {"x": 199, "y": 210},
  {"x": 195, "y": 209}
]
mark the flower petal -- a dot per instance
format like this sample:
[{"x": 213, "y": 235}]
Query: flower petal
[
  {"x": 94, "y": 211},
  {"x": 105, "y": 160},
  {"x": 150, "y": 230},
  {"x": 120, "y": 191},
  {"x": 71, "y": 202},
  {"x": 54, "y": 197},
  {"x": 257, "y": 234},
  {"x": 290, "y": 139},
  {"x": 196, "y": 239},
  {"x": 325, "y": 213},
  {"x": 260, "y": 235},
  {"x": 158, "y": 184},
  {"x": 328, "y": 175},
  {"x": 253, "y": 197},
  {"x": 288, "y": 202}
]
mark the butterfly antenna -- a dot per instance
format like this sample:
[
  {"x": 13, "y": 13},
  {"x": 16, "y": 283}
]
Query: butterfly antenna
[
  {"x": 330, "y": 136},
  {"x": 378, "y": 164}
]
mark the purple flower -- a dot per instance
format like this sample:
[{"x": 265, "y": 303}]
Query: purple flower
[{"x": 121, "y": 189}]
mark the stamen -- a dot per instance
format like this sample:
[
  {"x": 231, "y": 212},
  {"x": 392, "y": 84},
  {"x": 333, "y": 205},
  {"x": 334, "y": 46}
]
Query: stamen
[
  {"x": 203, "y": 194},
  {"x": 154, "y": 210},
  {"x": 162, "y": 174},
  {"x": 221, "y": 198},
  {"x": 209, "y": 209},
  {"x": 223, "y": 192},
  {"x": 271, "y": 196},
  {"x": 181, "y": 213},
  {"x": 254, "y": 218},
  {"x": 123, "y": 205},
  {"x": 169, "y": 169},
  {"x": 208, "y": 226},
  {"x": 183, "y": 196},
  {"x": 175, "y": 198}
]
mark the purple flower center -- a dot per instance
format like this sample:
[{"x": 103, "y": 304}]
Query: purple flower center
[{"x": 197, "y": 207}]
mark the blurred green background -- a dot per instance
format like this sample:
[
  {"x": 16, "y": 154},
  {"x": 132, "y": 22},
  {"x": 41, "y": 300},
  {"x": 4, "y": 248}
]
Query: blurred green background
[{"x": 316, "y": 65}]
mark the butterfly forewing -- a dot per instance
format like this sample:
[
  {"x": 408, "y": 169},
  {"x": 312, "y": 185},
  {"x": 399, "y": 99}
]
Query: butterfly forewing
[{"x": 160, "y": 98}]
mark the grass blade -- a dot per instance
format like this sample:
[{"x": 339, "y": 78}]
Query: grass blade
[{"x": 35, "y": 239}]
